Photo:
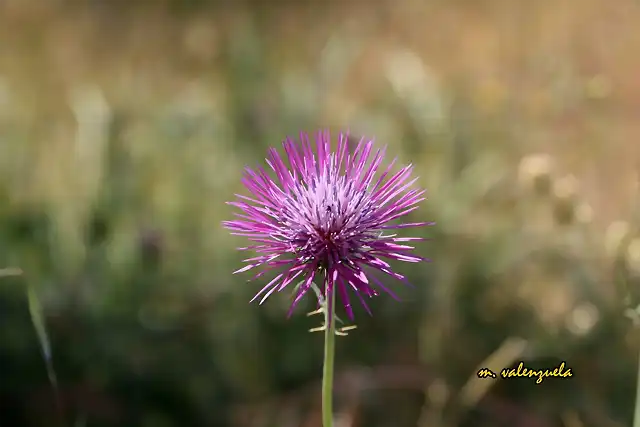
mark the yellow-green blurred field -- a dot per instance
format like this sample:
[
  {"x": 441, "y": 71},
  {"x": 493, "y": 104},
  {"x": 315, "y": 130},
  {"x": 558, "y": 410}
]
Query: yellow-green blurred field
[{"x": 125, "y": 126}]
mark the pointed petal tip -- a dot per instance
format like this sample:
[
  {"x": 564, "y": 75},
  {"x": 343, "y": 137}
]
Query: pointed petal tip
[{"x": 245, "y": 268}]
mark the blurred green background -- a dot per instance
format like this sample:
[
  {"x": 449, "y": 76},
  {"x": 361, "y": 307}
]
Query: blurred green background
[{"x": 125, "y": 125}]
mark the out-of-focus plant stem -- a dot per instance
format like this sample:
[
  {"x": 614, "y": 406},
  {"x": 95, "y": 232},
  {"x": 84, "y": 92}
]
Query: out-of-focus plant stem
[{"x": 636, "y": 411}]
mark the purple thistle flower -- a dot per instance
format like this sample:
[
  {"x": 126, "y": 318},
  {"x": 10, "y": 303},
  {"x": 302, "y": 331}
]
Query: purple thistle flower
[{"x": 325, "y": 218}]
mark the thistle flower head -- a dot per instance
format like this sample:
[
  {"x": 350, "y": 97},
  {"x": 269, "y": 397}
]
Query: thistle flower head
[{"x": 324, "y": 218}]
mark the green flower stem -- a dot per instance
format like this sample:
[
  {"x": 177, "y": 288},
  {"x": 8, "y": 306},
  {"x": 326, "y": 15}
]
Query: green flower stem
[{"x": 329, "y": 357}]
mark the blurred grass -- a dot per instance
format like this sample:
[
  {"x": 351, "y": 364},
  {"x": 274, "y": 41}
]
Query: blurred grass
[{"x": 125, "y": 127}]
